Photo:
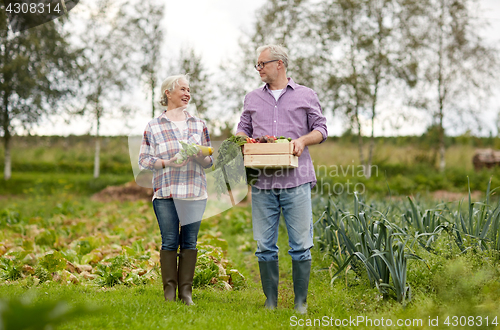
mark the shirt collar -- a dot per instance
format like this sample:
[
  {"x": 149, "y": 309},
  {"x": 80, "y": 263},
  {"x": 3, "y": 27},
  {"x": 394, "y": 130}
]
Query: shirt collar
[
  {"x": 291, "y": 83},
  {"x": 163, "y": 116}
]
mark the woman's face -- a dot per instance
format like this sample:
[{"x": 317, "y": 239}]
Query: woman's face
[{"x": 180, "y": 96}]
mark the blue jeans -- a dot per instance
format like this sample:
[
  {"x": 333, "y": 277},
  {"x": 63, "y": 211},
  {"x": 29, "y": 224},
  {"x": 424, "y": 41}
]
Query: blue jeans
[
  {"x": 168, "y": 221},
  {"x": 295, "y": 203}
]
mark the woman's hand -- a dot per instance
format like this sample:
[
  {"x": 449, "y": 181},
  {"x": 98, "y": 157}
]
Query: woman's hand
[
  {"x": 162, "y": 163},
  {"x": 200, "y": 159}
]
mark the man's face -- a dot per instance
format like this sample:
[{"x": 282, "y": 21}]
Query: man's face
[{"x": 270, "y": 72}]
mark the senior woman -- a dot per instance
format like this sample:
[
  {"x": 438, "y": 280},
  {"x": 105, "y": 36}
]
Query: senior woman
[{"x": 180, "y": 190}]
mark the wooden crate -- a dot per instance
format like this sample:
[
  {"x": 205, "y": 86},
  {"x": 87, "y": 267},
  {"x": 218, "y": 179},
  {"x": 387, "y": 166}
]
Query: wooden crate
[{"x": 269, "y": 155}]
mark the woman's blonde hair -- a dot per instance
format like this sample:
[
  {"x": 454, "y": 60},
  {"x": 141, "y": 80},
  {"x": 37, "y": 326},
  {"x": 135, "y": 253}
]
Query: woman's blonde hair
[{"x": 170, "y": 84}]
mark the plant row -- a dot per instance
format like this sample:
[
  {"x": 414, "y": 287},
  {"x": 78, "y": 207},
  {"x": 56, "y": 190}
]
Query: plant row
[
  {"x": 378, "y": 239},
  {"x": 105, "y": 247}
]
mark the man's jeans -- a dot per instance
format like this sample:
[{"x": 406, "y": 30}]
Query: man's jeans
[
  {"x": 168, "y": 220},
  {"x": 295, "y": 203}
]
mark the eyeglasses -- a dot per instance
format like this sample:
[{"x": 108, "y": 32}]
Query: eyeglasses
[{"x": 260, "y": 66}]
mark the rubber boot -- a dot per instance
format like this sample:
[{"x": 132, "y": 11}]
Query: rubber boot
[
  {"x": 187, "y": 263},
  {"x": 301, "y": 270},
  {"x": 168, "y": 263},
  {"x": 269, "y": 276}
]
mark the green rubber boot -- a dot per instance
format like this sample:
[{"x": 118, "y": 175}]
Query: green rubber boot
[
  {"x": 187, "y": 264},
  {"x": 301, "y": 271},
  {"x": 269, "y": 276},
  {"x": 168, "y": 266}
]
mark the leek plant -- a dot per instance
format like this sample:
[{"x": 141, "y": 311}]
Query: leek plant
[
  {"x": 382, "y": 243},
  {"x": 368, "y": 236}
]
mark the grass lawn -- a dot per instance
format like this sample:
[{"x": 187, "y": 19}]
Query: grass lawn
[{"x": 443, "y": 287}]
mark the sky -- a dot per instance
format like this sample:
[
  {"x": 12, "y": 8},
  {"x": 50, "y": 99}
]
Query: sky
[{"x": 212, "y": 28}]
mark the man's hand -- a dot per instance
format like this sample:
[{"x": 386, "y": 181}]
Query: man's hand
[
  {"x": 302, "y": 142},
  {"x": 298, "y": 146}
]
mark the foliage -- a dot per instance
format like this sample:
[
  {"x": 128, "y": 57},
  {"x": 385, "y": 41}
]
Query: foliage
[
  {"x": 22, "y": 313},
  {"x": 367, "y": 235},
  {"x": 454, "y": 76},
  {"x": 448, "y": 283},
  {"x": 383, "y": 239},
  {"x": 37, "y": 76},
  {"x": 199, "y": 81},
  {"x": 141, "y": 23},
  {"x": 229, "y": 169},
  {"x": 82, "y": 242},
  {"x": 40, "y": 184},
  {"x": 106, "y": 66}
]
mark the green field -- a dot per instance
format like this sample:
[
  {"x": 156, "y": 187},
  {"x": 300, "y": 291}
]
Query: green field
[{"x": 67, "y": 258}]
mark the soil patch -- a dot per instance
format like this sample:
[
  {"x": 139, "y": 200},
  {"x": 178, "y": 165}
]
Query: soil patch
[
  {"x": 130, "y": 191},
  {"x": 449, "y": 196}
]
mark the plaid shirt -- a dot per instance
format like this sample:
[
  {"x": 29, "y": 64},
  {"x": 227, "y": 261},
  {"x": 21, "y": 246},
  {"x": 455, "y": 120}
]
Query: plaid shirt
[{"x": 161, "y": 141}]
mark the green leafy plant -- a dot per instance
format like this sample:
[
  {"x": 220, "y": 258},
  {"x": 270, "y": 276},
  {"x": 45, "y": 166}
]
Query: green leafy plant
[
  {"x": 10, "y": 269},
  {"x": 22, "y": 313},
  {"x": 53, "y": 262},
  {"x": 229, "y": 169}
]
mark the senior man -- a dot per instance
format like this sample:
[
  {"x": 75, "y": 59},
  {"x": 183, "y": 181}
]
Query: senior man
[{"x": 283, "y": 108}]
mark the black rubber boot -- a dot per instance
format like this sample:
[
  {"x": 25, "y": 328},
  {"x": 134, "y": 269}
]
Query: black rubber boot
[
  {"x": 168, "y": 266},
  {"x": 187, "y": 264},
  {"x": 301, "y": 271},
  {"x": 269, "y": 276}
]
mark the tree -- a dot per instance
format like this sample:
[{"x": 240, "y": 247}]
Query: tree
[
  {"x": 292, "y": 24},
  {"x": 283, "y": 22},
  {"x": 37, "y": 72},
  {"x": 141, "y": 22},
  {"x": 202, "y": 93},
  {"x": 107, "y": 66},
  {"x": 360, "y": 52},
  {"x": 457, "y": 66}
]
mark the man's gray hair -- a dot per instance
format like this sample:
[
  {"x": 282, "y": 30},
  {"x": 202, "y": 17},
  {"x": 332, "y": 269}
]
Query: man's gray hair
[
  {"x": 277, "y": 52},
  {"x": 170, "y": 84}
]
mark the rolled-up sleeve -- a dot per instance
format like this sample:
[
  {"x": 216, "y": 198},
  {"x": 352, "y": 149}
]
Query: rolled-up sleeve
[
  {"x": 206, "y": 142},
  {"x": 245, "y": 124},
  {"x": 315, "y": 119},
  {"x": 146, "y": 153}
]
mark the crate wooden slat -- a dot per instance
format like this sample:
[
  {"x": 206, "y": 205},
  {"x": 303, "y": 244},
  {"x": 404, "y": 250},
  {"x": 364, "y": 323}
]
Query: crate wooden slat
[
  {"x": 270, "y": 155},
  {"x": 268, "y": 148}
]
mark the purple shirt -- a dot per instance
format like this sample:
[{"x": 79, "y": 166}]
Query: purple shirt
[{"x": 296, "y": 113}]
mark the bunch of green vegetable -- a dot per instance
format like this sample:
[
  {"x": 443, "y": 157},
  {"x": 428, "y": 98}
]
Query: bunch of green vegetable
[
  {"x": 230, "y": 164},
  {"x": 187, "y": 151}
]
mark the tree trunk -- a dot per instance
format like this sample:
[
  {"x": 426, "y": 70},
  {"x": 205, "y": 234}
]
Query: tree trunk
[
  {"x": 360, "y": 144},
  {"x": 153, "y": 86},
  {"x": 368, "y": 169},
  {"x": 442, "y": 147},
  {"x": 441, "y": 94},
  {"x": 7, "y": 171},
  {"x": 96, "y": 156},
  {"x": 97, "y": 151},
  {"x": 357, "y": 105}
]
